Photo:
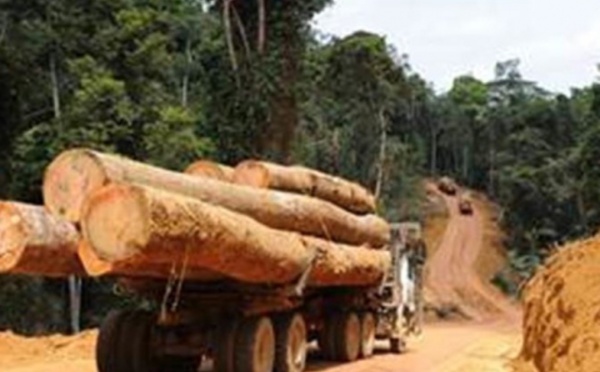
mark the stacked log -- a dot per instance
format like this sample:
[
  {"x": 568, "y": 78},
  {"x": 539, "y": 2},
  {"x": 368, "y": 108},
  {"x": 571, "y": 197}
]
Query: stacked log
[
  {"x": 142, "y": 267},
  {"x": 345, "y": 194},
  {"x": 210, "y": 169},
  {"x": 133, "y": 225},
  {"x": 35, "y": 242},
  {"x": 76, "y": 174},
  {"x": 344, "y": 265},
  {"x": 125, "y": 223}
]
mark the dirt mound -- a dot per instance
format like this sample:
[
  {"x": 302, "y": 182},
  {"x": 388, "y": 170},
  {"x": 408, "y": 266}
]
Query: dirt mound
[
  {"x": 562, "y": 312},
  {"x": 16, "y": 350}
]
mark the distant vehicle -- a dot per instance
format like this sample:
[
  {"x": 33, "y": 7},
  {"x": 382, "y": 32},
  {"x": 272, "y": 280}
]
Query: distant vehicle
[
  {"x": 447, "y": 185},
  {"x": 465, "y": 204}
]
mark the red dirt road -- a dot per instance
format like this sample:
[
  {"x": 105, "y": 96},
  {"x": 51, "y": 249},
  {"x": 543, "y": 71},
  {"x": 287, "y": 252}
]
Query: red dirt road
[
  {"x": 452, "y": 279},
  {"x": 484, "y": 344}
]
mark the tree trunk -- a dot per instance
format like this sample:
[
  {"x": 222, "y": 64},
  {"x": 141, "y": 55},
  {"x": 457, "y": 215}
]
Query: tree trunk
[
  {"x": 207, "y": 168},
  {"x": 434, "y": 147},
  {"x": 262, "y": 26},
  {"x": 55, "y": 88},
  {"x": 343, "y": 265},
  {"x": 123, "y": 223},
  {"x": 229, "y": 33},
  {"x": 186, "y": 76},
  {"x": 143, "y": 227},
  {"x": 345, "y": 194},
  {"x": 242, "y": 31},
  {"x": 142, "y": 268},
  {"x": 382, "y": 155},
  {"x": 76, "y": 174},
  {"x": 34, "y": 242}
]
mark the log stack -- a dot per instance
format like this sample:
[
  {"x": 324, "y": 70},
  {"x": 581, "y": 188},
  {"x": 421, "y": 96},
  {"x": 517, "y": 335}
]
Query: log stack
[
  {"x": 298, "y": 179},
  {"x": 33, "y": 241},
  {"x": 207, "y": 168},
  {"x": 211, "y": 224}
]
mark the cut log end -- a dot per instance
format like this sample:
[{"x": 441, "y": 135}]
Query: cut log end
[
  {"x": 252, "y": 173},
  {"x": 69, "y": 179},
  {"x": 12, "y": 237},
  {"x": 206, "y": 168},
  {"x": 33, "y": 242},
  {"x": 120, "y": 211}
]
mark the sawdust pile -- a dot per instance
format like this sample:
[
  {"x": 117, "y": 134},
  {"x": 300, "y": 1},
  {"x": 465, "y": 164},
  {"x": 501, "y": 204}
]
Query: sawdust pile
[
  {"x": 562, "y": 312},
  {"x": 16, "y": 350}
]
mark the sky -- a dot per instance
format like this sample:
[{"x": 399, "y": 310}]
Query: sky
[{"x": 557, "y": 41}]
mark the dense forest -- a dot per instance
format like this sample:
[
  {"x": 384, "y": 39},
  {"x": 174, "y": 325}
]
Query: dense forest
[{"x": 168, "y": 82}]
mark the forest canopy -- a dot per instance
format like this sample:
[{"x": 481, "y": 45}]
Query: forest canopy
[{"x": 168, "y": 82}]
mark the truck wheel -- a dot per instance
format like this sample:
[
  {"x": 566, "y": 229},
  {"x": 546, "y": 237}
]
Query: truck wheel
[
  {"x": 347, "y": 338},
  {"x": 180, "y": 364},
  {"x": 397, "y": 345},
  {"x": 367, "y": 335},
  {"x": 108, "y": 345},
  {"x": 326, "y": 338},
  {"x": 138, "y": 340},
  {"x": 290, "y": 343},
  {"x": 225, "y": 347},
  {"x": 255, "y": 346}
]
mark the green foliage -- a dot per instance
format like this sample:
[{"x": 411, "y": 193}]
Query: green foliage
[{"x": 169, "y": 81}]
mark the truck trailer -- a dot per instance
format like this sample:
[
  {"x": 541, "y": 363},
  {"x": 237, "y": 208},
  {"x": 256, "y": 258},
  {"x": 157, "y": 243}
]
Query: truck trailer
[{"x": 253, "y": 328}]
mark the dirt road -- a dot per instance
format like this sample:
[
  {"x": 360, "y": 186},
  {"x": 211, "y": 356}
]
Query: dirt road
[
  {"x": 483, "y": 344},
  {"x": 452, "y": 279}
]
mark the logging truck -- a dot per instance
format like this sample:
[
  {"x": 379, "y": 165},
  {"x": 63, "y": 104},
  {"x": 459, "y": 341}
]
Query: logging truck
[
  {"x": 246, "y": 328},
  {"x": 244, "y": 266}
]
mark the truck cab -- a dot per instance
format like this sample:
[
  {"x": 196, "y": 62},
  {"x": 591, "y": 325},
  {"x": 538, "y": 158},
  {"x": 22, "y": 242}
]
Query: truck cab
[{"x": 400, "y": 309}]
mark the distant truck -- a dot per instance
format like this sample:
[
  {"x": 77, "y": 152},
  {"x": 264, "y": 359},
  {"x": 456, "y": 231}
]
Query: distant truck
[
  {"x": 465, "y": 203},
  {"x": 448, "y": 186},
  {"x": 256, "y": 328}
]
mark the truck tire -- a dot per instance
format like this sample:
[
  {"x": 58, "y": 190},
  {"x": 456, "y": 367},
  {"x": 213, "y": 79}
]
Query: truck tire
[
  {"x": 108, "y": 345},
  {"x": 326, "y": 337},
  {"x": 138, "y": 342},
  {"x": 224, "y": 348},
  {"x": 180, "y": 364},
  {"x": 255, "y": 346},
  {"x": 367, "y": 334},
  {"x": 347, "y": 337},
  {"x": 397, "y": 345},
  {"x": 290, "y": 343}
]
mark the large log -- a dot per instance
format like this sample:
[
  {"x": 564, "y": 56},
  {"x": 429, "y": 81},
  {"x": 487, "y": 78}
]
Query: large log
[
  {"x": 343, "y": 265},
  {"x": 142, "y": 268},
  {"x": 210, "y": 169},
  {"x": 76, "y": 174},
  {"x": 34, "y": 242},
  {"x": 346, "y": 194},
  {"x": 139, "y": 231},
  {"x": 125, "y": 223}
]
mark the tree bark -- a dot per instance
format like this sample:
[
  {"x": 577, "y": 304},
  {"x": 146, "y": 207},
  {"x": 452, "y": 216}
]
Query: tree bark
[
  {"x": 242, "y": 31},
  {"x": 123, "y": 223},
  {"x": 76, "y": 174},
  {"x": 382, "y": 155},
  {"x": 343, "y": 265},
  {"x": 434, "y": 148},
  {"x": 34, "y": 242},
  {"x": 229, "y": 33},
  {"x": 141, "y": 267},
  {"x": 262, "y": 26},
  {"x": 186, "y": 76},
  {"x": 55, "y": 88},
  {"x": 345, "y": 194},
  {"x": 207, "y": 168},
  {"x": 135, "y": 227}
]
